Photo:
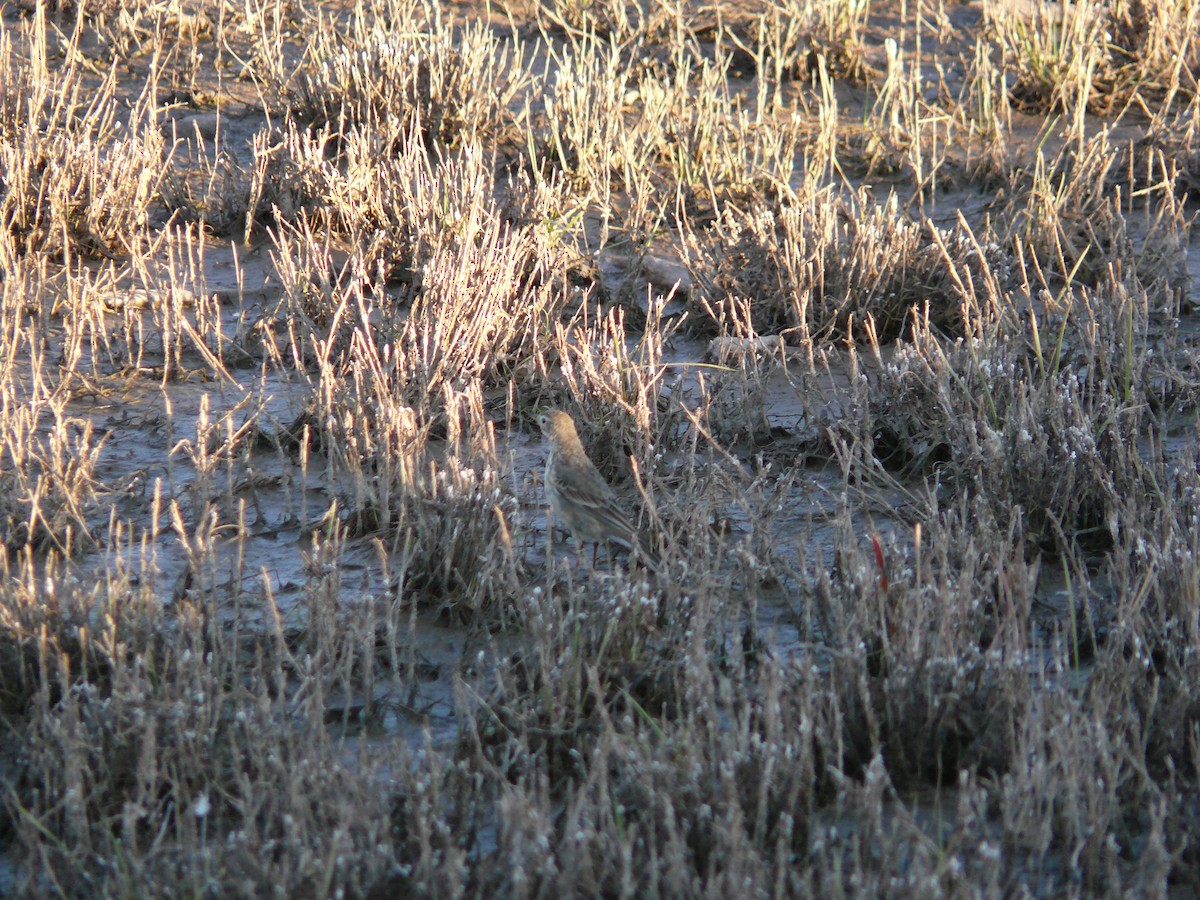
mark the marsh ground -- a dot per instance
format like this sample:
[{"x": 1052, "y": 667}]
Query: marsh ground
[{"x": 878, "y": 314}]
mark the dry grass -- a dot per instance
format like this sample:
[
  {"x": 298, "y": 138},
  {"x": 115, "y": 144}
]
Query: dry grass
[
  {"x": 876, "y": 316},
  {"x": 819, "y": 264}
]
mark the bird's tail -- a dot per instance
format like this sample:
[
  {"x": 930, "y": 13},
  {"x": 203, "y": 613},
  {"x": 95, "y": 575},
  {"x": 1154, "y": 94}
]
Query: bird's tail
[{"x": 646, "y": 552}]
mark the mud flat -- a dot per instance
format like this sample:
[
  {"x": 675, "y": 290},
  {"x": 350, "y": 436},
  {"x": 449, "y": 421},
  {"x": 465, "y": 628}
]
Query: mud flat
[{"x": 878, "y": 318}]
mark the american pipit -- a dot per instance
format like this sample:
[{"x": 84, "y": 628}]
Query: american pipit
[{"x": 580, "y": 496}]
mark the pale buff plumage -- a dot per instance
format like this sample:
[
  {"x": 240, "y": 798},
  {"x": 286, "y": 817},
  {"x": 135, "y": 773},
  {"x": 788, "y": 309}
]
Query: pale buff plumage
[{"x": 579, "y": 495}]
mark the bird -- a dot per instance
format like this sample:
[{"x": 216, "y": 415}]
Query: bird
[{"x": 579, "y": 495}]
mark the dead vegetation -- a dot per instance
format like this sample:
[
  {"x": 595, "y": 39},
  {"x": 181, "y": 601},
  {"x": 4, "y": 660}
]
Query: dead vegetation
[{"x": 878, "y": 317}]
